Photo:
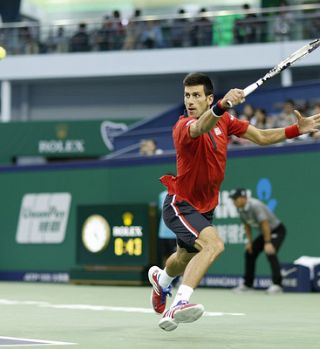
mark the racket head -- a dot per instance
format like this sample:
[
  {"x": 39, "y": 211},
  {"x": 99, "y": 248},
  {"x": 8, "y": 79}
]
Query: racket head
[
  {"x": 311, "y": 46},
  {"x": 299, "y": 54},
  {"x": 286, "y": 63}
]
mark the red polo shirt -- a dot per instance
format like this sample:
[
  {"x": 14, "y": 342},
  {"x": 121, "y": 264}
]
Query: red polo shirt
[{"x": 201, "y": 161}]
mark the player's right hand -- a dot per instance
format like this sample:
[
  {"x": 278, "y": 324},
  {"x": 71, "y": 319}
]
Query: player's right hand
[{"x": 233, "y": 97}]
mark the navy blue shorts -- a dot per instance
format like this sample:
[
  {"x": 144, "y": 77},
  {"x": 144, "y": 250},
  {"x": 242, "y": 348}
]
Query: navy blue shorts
[{"x": 185, "y": 221}]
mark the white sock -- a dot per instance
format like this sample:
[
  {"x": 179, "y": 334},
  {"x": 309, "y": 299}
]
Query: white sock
[
  {"x": 165, "y": 279},
  {"x": 183, "y": 294}
]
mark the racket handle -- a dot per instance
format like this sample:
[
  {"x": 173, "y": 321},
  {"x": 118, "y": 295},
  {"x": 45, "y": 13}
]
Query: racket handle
[{"x": 249, "y": 89}]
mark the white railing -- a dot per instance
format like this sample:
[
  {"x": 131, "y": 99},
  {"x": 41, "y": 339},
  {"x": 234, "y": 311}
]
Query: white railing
[{"x": 210, "y": 28}]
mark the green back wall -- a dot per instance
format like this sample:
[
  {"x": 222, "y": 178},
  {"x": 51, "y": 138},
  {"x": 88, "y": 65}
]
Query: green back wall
[{"x": 293, "y": 176}]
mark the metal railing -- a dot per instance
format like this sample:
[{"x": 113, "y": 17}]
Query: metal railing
[{"x": 210, "y": 28}]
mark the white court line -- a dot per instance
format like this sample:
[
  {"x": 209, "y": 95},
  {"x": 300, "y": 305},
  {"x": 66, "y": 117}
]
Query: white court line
[
  {"x": 37, "y": 341},
  {"x": 98, "y": 307}
]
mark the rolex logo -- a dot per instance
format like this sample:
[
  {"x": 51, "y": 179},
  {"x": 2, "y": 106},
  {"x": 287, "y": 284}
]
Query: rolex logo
[
  {"x": 61, "y": 131},
  {"x": 127, "y": 218}
]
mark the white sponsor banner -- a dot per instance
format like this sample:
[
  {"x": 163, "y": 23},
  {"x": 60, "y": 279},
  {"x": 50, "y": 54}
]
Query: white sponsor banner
[{"x": 43, "y": 218}]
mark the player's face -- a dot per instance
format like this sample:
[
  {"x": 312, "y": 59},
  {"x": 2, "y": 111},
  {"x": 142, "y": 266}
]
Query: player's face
[{"x": 196, "y": 101}]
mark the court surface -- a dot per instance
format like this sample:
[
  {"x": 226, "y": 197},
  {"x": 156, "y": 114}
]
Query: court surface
[{"x": 73, "y": 316}]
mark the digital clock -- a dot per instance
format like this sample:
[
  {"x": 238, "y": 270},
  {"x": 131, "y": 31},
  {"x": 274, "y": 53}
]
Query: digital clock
[
  {"x": 117, "y": 236},
  {"x": 132, "y": 247}
]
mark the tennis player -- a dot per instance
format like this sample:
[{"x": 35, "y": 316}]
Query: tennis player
[{"x": 201, "y": 138}]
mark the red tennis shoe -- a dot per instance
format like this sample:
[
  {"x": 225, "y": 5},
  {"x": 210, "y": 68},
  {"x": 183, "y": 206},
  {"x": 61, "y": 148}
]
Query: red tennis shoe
[{"x": 158, "y": 294}]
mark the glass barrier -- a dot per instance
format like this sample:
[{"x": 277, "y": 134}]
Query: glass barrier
[{"x": 208, "y": 28}]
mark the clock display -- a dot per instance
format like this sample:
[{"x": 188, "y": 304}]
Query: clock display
[
  {"x": 117, "y": 235},
  {"x": 95, "y": 233}
]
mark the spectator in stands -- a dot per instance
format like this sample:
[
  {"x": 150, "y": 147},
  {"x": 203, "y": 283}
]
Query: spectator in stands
[
  {"x": 103, "y": 37},
  {"x": 246, "y": 28},
  {"x": 201, "y": 33},
  {"x": 118, "y": 33},
  {"x": 247, "y": 113},
  {"x": 236, "y": 140},
  {"x": 283, "y": 23},
  {"x": 259, "y": 119},
  {"x": 312, "y": 28},
  {"x": 256, "y": 215},
  {"x": 149, "y": 147},
  {"x": 59, "y": 42},
  {"x": 80, "y": 41},
  {"x": 151, "y": 36},
  {"x": 50, "y": 45},
  {"x": 286, "y": 116},
  {"x": 180, "y": 31},
  {"x": 27, "y": 42},
  {"x": 134, "y": 31}
]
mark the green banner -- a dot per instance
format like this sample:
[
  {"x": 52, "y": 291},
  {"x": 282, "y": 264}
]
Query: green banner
[
  {"x": 44, "y": 203},
  {"x": 63, "y": 139}
]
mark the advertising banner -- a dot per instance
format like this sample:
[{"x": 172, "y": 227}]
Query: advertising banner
[{"x": 63, "y": 139}]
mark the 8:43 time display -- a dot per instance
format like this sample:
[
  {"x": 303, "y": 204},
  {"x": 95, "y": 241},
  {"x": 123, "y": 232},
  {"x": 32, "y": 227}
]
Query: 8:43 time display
[{"x": 131, "y": 246}]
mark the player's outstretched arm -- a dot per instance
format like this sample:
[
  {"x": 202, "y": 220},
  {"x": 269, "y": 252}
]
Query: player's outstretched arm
[
  {"x": 210, "y": 117},
  {"x": 276, "y": 135}
]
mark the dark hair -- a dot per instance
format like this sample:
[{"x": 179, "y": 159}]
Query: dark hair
[{"x": 194, "y": 79}]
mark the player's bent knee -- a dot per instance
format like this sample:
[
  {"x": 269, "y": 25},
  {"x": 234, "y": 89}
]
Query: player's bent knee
[
  {"x": 214, "y": 250},
  {"x": 213, "y": 246},
  {"x": 217, "y": 247},
  {"x": 209, "y": 238}
]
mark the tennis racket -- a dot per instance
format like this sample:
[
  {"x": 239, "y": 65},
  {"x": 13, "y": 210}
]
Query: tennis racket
[{"x": 286, "y": 63}]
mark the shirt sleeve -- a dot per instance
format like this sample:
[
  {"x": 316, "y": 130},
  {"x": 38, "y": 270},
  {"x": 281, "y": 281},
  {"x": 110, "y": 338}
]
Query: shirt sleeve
[
  {"x": 181, "y": 131},
  {"x": 237, "y": 127}
]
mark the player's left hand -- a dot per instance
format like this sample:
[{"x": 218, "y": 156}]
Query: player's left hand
[
  {"x": 269, "y": 248},
  {"x": 307, "y": 125}
]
